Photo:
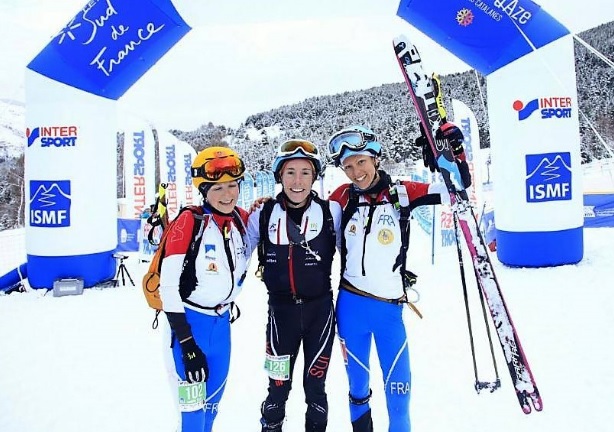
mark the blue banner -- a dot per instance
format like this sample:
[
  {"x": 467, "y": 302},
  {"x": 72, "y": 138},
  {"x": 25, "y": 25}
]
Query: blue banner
[
  {"x": 128, "y": 235},
  {"x": 110, "y": 44},
  {"x": 598, "y": 210},
  {"x": 261, "y": 183},
  {"x": 485, "y": 34}
]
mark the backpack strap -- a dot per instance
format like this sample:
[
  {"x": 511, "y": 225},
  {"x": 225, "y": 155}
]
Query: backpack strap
[
  {"x": 263, "y": 222},
  {"x": 400, "y": 200}
]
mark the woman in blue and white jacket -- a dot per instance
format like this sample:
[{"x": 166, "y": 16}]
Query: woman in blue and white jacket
[
  {"x": 198, "y": 309},
  {"x": 371, "y": 293}
]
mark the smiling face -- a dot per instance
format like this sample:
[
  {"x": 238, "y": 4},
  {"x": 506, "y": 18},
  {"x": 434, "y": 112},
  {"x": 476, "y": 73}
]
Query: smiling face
[
  {"x": 223, "y": 196},
  {"x": 360, "y": 169},
  {"x": 296, "y": 179}
]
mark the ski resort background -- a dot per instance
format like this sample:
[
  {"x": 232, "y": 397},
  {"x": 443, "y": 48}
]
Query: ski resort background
[{"x": 531, "y": 229}]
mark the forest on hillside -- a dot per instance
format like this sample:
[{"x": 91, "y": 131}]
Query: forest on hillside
[{"x": 385, "y": 108}]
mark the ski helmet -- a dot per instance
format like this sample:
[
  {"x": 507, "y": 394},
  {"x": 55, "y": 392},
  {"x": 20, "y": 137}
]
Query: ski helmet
[
  {"x": 353, "y": 140},
  {"x": 216, "y": 165},
  {"x": 297, "y": 149}
]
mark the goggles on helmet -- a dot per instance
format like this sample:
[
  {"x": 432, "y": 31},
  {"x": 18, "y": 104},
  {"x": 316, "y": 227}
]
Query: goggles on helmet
[
  {"x": 349, "y": 140},
  {"x": 294, "y": 146},
  {"x": 214, "y": 169}
]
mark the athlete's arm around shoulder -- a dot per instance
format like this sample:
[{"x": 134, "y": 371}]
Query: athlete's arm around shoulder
[
  {"x": 253, "y": 229},
  {"x": 337, "y": 201}
]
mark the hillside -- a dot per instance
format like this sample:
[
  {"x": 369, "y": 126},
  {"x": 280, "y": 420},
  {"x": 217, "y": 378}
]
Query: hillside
[{"x": 385, "y": 108}]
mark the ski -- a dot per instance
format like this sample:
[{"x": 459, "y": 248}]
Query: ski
[{"x": 423, "y": 95}]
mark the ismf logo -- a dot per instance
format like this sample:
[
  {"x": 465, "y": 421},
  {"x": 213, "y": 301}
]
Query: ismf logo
[
  {"x": 557, "y": 107},
  {"x": 53, "y": 136},
  {"x": 50, "y": 203},
  {"x": 548, "y": 177}
]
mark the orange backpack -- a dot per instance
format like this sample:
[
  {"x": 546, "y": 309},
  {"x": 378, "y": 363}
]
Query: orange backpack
[{"x": 151, "y": 280}]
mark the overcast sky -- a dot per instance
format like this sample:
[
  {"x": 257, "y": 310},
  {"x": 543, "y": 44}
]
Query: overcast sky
[{"x": 240, "y": 60}]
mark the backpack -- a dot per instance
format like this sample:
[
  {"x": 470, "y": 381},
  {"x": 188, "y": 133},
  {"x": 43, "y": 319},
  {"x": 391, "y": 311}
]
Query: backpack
[{"x": 151, "y": 280}]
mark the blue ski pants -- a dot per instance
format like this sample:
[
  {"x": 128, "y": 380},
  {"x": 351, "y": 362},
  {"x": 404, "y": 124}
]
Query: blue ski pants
[
  {"x": 359, "y": 321},
  {"x": 212, "y": 334}
]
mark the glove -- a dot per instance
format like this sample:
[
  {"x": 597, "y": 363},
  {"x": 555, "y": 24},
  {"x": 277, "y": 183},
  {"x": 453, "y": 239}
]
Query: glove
[
  {"x": 427, "y": 153},
  {"x": 455, "y": 137},
  {"x": 194, "y": 361}
]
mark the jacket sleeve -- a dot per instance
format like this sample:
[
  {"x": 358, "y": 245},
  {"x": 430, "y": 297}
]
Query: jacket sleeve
[{"x": 253, "y": 230}]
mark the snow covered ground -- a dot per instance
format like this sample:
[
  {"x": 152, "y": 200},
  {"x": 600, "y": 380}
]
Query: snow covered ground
[{"x": 92, "y": 362}]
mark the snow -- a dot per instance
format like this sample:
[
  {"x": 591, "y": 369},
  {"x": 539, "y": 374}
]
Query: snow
[{"x": 92, "y": 362}]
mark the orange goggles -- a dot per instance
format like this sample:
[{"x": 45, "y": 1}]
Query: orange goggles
[
  {"x": 215, "y": 169},
  {"x": 292, "y": 146}
]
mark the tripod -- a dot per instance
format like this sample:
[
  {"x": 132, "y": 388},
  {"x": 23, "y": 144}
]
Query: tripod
[{"x": 123, "y": 271}]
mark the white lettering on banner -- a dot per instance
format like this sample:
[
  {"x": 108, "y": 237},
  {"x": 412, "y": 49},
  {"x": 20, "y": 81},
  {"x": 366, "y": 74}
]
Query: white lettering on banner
[
  {"x": 99, "y": 22},
  {"x": 514, "y": 10},
  {"x": 487, "y": 9},
  {"x": 550, "y": 191},
  {"x": 47, "y": 217},
  {"x": 107, "y": 63},
  {"x": 128, "y": 48}
]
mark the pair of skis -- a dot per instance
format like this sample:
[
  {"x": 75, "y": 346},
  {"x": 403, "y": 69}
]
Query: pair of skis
[{"x": 423, "y": 95}]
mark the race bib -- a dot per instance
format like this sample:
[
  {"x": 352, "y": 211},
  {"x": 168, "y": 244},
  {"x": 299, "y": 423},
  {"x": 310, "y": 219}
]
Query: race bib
[
  {"x": 278, "y": 367},
  {"x": 191, "y": 396}
]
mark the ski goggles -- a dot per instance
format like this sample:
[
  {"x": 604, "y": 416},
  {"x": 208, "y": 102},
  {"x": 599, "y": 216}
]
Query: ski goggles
[
  {"x": 349, "y": 140},
  {"x": 294, "y": 146},
  {"x": 215, "y": 169}
]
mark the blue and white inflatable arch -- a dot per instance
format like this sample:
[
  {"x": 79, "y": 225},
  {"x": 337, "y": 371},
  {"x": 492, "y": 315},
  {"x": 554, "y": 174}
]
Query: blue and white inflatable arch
[
  {"x": 72, "y": 87},
  {"x": 528, "y": 59}
]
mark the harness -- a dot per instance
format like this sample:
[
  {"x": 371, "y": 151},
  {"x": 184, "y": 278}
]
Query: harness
[
  {"x": 399, "y": 198},
  {"x": 294, "y": 234},
  {"x": 188, "y": 280}
]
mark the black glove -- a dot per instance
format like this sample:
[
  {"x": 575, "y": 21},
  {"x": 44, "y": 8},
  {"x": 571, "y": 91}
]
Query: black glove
[
  {"x": 427, "y": 153},
  {"x": 194, "y": 361}
]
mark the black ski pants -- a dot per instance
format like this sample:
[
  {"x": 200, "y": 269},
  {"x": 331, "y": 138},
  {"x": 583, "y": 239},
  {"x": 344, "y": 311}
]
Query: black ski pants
[{"x": 312, "y": 323}]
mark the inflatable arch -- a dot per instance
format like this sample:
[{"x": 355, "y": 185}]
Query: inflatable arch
[
  {"x": 528, "y": 59},
  {"x": 72, "y": 87}
]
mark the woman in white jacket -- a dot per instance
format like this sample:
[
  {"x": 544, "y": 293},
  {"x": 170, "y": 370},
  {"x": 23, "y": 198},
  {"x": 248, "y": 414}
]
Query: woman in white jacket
[{"x": 199, "y": 308}]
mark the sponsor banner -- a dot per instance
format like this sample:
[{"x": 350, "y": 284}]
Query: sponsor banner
[
  {"x": 467, "y": 123},
  {"x": 599, "y": 210},
  {"x": 246, "y": 195},
  {"x": 485, "y": 34},
  {"x": 70, "y": 179},
  {"x": 169, "y": 166},
  {"x": 139, "y": 167},
  {"x": 108, "y": 45},
  {"x": 536, "y": 156},
  {"x": 186, "y": 193},
  {"x": 128, "y": 235},
  {"x": 261, "y": 186},
  {"x": 534, "y": 129}
]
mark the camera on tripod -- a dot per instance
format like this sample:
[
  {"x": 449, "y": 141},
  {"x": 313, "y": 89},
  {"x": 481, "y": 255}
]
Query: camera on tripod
[{"x": 122, "y": 270}]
